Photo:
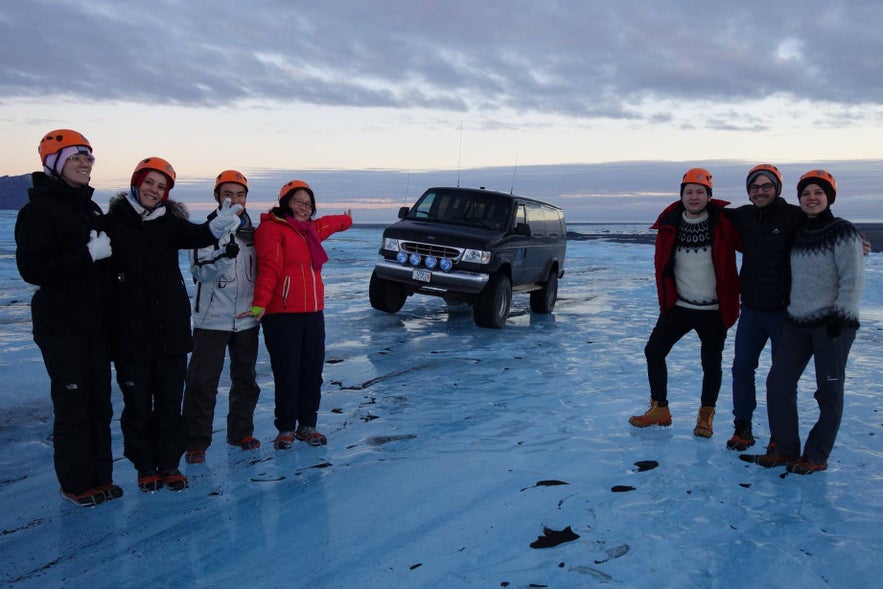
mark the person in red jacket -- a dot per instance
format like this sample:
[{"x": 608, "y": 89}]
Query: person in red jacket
[
  {"x": 698, "y": 288},
  {"x": 289, "y": 299}
]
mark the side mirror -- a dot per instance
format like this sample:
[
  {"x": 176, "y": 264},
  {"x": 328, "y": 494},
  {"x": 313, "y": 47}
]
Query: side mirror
[
  {"x": 522, "y": 229},
  {"x": 403, "y": 212}
]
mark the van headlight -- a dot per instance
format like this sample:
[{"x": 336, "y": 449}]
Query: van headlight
[
  {"x": 476, "y": 257},
  {"x": 391, "y": 244}
]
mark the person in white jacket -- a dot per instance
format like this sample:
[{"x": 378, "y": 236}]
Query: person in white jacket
[{"x": 224, "y": 274}]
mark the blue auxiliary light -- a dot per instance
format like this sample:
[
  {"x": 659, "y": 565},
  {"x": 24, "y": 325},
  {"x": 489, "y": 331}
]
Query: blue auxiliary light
[
  {"x": 431, "y": 262},
  {"x": 446, "y": 264},
  {"x": 414, "y": 259},
  {"x": 401, "y": 257}
]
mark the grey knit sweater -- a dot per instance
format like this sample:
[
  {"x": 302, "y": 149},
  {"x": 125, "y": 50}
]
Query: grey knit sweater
[{"x": 827, "y": 272}]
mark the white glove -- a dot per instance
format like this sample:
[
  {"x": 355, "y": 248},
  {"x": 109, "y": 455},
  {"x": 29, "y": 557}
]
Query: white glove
[
  {"x": 227, "y": 221},
  {"x": 99, "y": 245}
]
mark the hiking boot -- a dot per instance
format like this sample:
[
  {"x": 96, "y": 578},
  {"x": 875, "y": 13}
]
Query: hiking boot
[
  {"x": 767, "y": 460},
  {"x": 310, "y": 435},
  {"x": 284, "y": 441},
  {"x": 656, "y": 415},
  {"x": 804, "y": 465},
  {"x": 247, "y": 443},
  {"x": 703, "y": 422},
  {"x": 194, "y": 456},
  {"x": 110, "y": 491},
  {"x": 174, "y": 480},
  {"x": 742, "y": 438},
  {"x": 149, "y": 481},
  {"x": 771, "y": 447},
  {"x": 89, "y": 498}
]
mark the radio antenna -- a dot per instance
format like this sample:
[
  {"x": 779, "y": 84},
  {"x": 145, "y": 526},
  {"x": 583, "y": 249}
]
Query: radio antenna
[
  {"x": 459, "y": 154},
  {"x": 512, "y": 190}
]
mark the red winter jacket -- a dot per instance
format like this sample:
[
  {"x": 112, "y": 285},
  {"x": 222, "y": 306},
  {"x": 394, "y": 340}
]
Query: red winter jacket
[
  {"x": 724, "y": 242},
  {"x": 286, "y": 281}
]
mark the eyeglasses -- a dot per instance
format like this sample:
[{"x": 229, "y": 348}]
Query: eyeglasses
[
  {"x": 761, "y": 187},
  {"x": 304, "y": 204},
  {"x": 82, "y": 158}
]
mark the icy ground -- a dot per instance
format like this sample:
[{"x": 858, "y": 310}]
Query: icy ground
[{"x": 452, "y": 448}]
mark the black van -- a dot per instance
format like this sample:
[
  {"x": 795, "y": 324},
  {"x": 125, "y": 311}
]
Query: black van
[{"x": 473, "y": 246}]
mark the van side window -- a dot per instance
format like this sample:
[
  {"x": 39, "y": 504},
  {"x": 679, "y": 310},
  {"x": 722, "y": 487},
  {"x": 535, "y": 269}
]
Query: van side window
[
  {"x": 536, "y": 219},
  {"x": 520, "y": 215},
  {"x": 553, "y": 221}
]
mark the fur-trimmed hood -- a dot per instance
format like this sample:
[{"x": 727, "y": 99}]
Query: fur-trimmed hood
[{"x": 120, "y": 203}]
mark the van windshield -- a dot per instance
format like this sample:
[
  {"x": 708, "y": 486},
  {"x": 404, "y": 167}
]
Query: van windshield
[{"x": 458, "y": 207}]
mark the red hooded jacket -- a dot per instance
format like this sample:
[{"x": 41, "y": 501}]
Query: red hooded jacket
[
  {"x": 724, "y": 243},
  {"x": 286, "y": 281}
]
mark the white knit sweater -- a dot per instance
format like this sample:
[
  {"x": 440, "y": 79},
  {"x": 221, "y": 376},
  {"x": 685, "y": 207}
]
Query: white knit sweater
[{"x": 827, "y": 272}]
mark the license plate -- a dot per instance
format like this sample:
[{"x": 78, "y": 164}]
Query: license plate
[{"x": 421, "y": 275}]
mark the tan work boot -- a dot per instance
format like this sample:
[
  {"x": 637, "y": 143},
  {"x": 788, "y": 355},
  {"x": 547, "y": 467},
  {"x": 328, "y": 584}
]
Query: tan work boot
[
  {"x": 656, "y": 415},
  {"x": 703, "y": 422}
]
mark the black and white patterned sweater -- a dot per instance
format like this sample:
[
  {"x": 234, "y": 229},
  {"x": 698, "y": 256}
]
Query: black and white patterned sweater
[{"x": 827, "y": 270}]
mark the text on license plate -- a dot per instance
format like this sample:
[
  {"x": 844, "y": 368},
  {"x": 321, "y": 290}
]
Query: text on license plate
[{"x": 421, "y": 275}]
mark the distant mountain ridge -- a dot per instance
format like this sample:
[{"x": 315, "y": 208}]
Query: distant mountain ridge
[{"x": 14, "y": 191}]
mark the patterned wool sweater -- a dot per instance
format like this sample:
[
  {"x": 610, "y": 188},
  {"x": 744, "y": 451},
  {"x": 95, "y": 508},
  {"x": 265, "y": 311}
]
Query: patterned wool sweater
[
  {"x": 827, "y": 272},
  {"x": 694, "y": 270}
]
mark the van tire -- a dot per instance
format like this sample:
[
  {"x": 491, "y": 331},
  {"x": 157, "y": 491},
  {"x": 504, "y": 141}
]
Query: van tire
[
  {"x": 491, "y": 306},
  {"x": 386, "y": 295},
  {"x": 543, "y": 300}
]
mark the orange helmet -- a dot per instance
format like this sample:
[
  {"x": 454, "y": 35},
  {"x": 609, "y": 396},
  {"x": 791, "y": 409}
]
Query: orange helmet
[
  {"x": 823, "y": 179},
  {"x": 767, "y": 170},
  {"x": 697, "y": 176},
  {"x": 231, "y": 176},
  {"x": 289, "y": 187},
  {"x": 55, "y": 141},
  {"x": 156, "y": 164}
]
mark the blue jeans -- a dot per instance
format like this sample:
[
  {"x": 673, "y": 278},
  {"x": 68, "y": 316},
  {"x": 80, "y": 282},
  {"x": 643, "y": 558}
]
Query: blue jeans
[{"x": 752, "y": 332}]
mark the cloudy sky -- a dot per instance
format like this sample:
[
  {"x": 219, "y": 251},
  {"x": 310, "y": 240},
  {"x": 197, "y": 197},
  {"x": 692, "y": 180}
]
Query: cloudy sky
[{"x": 412, "y": 86}]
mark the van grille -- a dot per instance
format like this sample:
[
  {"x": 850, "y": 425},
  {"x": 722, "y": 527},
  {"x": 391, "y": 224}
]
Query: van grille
[{"x": 425, "y": 249}]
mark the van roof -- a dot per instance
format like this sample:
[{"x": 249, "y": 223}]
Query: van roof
[{"x": 494, "y": 192}]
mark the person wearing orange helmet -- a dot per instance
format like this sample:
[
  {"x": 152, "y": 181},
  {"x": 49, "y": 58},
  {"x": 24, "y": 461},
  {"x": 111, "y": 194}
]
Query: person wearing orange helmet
[
  {"x": 151, "y": 317},
  {"x": 62, "y": 248},
  {"x": 767, "y": 227},
  {"x": 698, "y": 289},
  {"x": 827, "y": 281},
  {"x": 224, "y": 274},
  {"x": 289, "y": 299}
]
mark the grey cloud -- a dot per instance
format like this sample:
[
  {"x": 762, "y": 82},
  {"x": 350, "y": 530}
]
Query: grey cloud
[{"x": 583, "y": 59}]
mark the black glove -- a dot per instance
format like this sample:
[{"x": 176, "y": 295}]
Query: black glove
[
  {"x": 833, "y": 326},
  {"x": 231, "y": 250}
]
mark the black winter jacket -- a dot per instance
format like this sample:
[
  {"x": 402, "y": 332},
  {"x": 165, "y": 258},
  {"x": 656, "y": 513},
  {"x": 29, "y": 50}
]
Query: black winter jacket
[
  {"x": 51, "y": 233},
  {"x": 767, "y": 236},
  {"x": 151, "y": 310}
]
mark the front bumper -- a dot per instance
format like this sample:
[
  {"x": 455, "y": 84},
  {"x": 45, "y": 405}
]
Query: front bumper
[{"x": 455, "y": 281}]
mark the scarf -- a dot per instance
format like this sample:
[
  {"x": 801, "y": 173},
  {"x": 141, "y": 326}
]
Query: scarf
[
  {"x": 318, "y": 256},
  {"x": 145, "y": 213}
]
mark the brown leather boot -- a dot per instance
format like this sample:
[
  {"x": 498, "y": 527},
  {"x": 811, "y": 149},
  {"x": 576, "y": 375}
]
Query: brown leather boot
[
  {"x": 656, "y": 415},
  {"x": 703, "y": 422}
]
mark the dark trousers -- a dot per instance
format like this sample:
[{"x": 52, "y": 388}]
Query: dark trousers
[
  {"x": 203, "y": 375},
  {"x": 755, "y": 328},
  {"x": 79, "y": 371},
  {"x": 830, "y": 355},
  {"x": 154, "y": 431},
  {"x": 671, "y": 326},
  {"x": 296, "y": 344}
]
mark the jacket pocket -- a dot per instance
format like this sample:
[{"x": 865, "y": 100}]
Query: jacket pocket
[{"x": 286, "y": 285}]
